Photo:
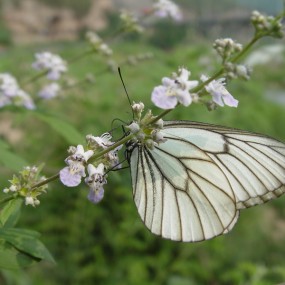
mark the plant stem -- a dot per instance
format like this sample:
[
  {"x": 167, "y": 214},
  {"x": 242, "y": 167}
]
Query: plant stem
[
  {"x": 36, "y": 77},
  {"x": 80, "y": 56},
  {"x": 7, "y": 199},
  {"x": 52, "y": 178}
]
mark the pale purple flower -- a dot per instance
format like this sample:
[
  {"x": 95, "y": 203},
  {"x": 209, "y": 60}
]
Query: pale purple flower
[
  {"x": 220, "y": 95},
  {"x": 95, "y": 181},
  {"x": 8, "y": 85},
  {"x": 167, "y": 8},
  {"x": 174, "y": 91},
  {"x": 11, "y": 93},
  {"x": 23, "y": 99},
  {"x": 53, "y": 63},
  {"x": 49, "y": 91},
  {"x": 72, "y": 174}
]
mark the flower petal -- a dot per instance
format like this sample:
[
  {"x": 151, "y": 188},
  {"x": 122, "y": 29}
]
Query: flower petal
[
  {"x": 68, "y": 179},
  {"x": 96, "y": 196},
  {"x": 184, "y": 97},
  {"x": 160, "y": 98},
  {"x": 230, "y": 100}
]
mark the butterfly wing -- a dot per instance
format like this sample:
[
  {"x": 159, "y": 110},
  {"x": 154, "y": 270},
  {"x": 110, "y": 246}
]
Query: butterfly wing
[
  {"x": 253, "y": 163},
  {"x": 191, "y": 187},
  {"x": 180, "y": 193}
]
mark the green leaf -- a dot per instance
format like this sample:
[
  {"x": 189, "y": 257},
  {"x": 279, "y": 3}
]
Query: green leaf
[
  {"x": 26, "y": 241},
  {"x": 10, "y": 213},
  {"x": 67, "y": 131},
  {"x": 11, "y": 258},
  {"x": 11, "y": 160}
]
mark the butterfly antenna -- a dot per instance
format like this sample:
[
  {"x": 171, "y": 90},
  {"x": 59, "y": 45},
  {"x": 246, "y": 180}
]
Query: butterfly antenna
[{"x": 121, "y": 77}]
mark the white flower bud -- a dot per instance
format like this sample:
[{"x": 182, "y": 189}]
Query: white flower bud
[
  {"x": 138, "y": 107},
  {"x": 29, "y": 201},
  {"x": 6, "y": 190},
  {"x": 159, "y": 124},
  {"x": 13, "y": 188},
  {"x": 134, "y": 127}
]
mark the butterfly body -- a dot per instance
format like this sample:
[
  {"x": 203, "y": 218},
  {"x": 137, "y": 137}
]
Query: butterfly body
[{"x": 191, "y": 187}]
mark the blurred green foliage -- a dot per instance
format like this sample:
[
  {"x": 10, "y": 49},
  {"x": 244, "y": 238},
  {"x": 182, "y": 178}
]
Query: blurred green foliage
[
  {"x": 107, "y": 243},
  {"x": 166, "y": 35}
]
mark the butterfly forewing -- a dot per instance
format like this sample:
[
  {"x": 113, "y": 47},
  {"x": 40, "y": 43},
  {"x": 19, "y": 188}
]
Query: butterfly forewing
[{"x": 191, "y": 187}]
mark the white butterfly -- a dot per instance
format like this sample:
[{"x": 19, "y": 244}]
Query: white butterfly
[{"x": 191, "y": 187}]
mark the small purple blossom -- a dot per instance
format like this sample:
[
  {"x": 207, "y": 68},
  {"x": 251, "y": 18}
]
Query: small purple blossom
[
  {"x": 95, "y": 181},
  {"x": 174, "y": 91},
  {"x": 220, "y": 94},
  {"x": 11, "y": 93},
  {"x": 53, "y": 63},
  {"x": 72, "y": 174},
  {"x": 49, "y": 91}
]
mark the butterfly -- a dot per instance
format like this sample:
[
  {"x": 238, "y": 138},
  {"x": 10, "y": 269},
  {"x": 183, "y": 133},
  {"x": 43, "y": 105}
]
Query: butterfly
[{"x": 192, "y": 187}]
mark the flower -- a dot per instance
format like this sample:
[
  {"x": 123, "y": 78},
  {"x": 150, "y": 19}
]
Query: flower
[
  {"x": 104, "y": 141},
  {"x": 11, "y": 93},
  {"x": 53, "y": 63},
  {"x": 172, "y": 91},
  {"x": 167, "y": 8},
  {"x": 95, "y": 181},
  {"x": 49, "y": 91},
  {"x": 220, "y": 94},
  {"x": 72, "y": 174}
]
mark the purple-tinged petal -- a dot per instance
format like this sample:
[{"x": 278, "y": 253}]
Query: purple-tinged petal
[
  {"x": 69, "y": 179},
  {"x": 230, "y": 100},
  {"x": 160, "y": 98},
  {"x": 184, "y": 97},
  {"x": 217, "y": 98},
  {"x": 95, "y": 196}
]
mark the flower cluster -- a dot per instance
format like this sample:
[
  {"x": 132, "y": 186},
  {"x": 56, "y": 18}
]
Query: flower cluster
[
  {"x": 166, "y": 8},
  {"x": 22, "y": 185},
  {"x": 178, "y": 90},
  {"x": 130, "y": 22},
  {"x": 53, "y": 64},
  {"x": 79, "y": 161},
  {"x": 146, "y": 130},
  {"x": 226, "y": 47},
  {"x": 266, "y": 25},
  {"x": 240, "y": 71},
  {"x": 98, "y": 44},
  {"x": 12, "y": 94}
]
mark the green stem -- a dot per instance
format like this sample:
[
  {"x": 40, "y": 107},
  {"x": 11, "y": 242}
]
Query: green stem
[
  {"x": 245, "y": 49},
  {"x": 80, "y": 56},
  {"x": 52, "y": 178},
  {"x": 34, "y": 78},
  {"x": 7, "y": 199}
]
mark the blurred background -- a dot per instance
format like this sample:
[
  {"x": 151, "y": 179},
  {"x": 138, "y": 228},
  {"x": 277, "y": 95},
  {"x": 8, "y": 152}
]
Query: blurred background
[{"x": 107, "y": 243}]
